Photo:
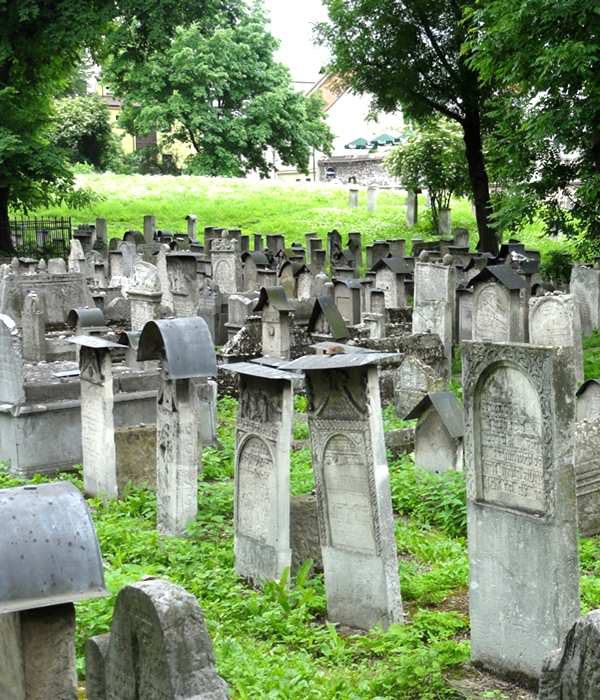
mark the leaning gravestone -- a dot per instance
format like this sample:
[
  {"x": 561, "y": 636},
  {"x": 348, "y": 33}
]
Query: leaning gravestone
[
  {"x": 521, "y": 507},
  {"x": 356, "y": 521},
  {"x": 158, "y": 649},
  {"x": 262, "y": 471},
  {"x": 573, "y": 672}
]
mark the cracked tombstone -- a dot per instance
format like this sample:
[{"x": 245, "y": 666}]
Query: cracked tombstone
[
  {"x": 262, "y": 471},
  {"x": 186, "y": 352},
  {"x": 354, "y": 503},
  {"x": 158, "y": 648},
  {"x": 521, "y": 504}
]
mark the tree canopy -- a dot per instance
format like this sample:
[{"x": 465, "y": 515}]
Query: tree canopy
[
  {"x": 411, "y": 54},
  {"x": 223, "y": 93}
]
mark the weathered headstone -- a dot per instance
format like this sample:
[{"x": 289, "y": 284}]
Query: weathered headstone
[
  {"x": 149, "y": 228},
  {"x": 144, "y": 294},
  {"x": 412, "y": 211},
  {"x": 413, "y": 380},
  {"x": 186, "y": 352},
  {"x": 226, "y": 265},
  {"x": 262, "y": 486},
  {"x": 573, "y": 671},
  {"x": 275, "y": 309},
  {"x": 554, "y": 320},
  {"x": 521, "y": 505},
  {"x": 12, "y": 380},
  {"x": 183, "y": 283},
  {"x": 353, "y": 197},
  {"x": 158, "y": 648},
  {"x": 352, "y": 482},
  {"x": 372, "y": 198},
  {"x": 499, "y": 308},
  {"x": 587, "y": 457},
  {"x": 444, "y": 221},
  {"x": 34, "y": 328},
  {"x": 102, "y": 233}
]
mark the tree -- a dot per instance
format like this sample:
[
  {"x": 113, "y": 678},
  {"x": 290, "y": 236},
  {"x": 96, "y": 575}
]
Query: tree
[
  {"x": 223, "y": 94},
  {"x": 411, "y": 53},
  {"x": 545, "y": 58},
  {"x": 433, "y": 157},
  {"x": 82, "y": 128},
  {"x": 41, "y": 44}
]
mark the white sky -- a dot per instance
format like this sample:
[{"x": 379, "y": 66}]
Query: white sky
[{"x": 291, "y": 23}]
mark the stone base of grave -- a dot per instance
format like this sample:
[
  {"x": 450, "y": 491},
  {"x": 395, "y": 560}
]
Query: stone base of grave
[
  {"x": 136, "y": 456},
  {"x": 304, "y": 532}
]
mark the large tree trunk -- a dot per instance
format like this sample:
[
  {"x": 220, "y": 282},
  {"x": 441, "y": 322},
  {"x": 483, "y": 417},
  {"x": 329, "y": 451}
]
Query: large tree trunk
[
  {"x": 488, "y": 238},
  {"x": 6, "y": 245}
]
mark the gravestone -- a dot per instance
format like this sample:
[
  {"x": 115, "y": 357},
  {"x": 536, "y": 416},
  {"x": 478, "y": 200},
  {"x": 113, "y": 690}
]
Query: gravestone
[
  {"x": 97, "y": 416},
  {"x": 102, "y": 233},
  {"x": 192, "y": 226},
  {"x": 444, "y": 221},
  {"x": 145, "y": 295},
  {"x": 573, "y": 671},
  {"x": 464, "y": 300},
  {"x": 461, "y": 237},
  {"x": 183, "y": 283},
  {"x": 258, "y": 242},
  {"x": 372, "y": 198},
  {"x": 554, "y": 320},
  {"x": 353, "y": 493},
  {"x": 149, "y": 228},
  {"x": 587, "y": 458},
  {"x": 585, "y": 287},
  {"x": 57, "y": 266},
  {"x": 12, "y": 380},
  {"x": 521, "y": 504},
  {"x": 34, "y": 328},
  {"x": 412, "y": 210},
  {"x": 77, "y": 258},
  {"x": 434, "y": 302},
  {"x": 262, "y": 471},
  {"x": 226, "y": 265},
  {"x": 346, "y": 295},
  {"x": 376, "y": 251},
  {"x": 304, "y": 283},
  {"x": 276, "y": 324},
  {"x": 158, "y": 648},
  {"x": 186, "y": 353},
  {"x": 353, "y": 197},
  {"x": 390, "y": 276},
  {"x": 413, "y": 380}
]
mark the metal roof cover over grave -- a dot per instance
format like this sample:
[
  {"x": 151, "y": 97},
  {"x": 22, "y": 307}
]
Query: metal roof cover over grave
[
  {"x": 327, "y": 307},
  {"x": 48, "y": 548},
  {"x": 85, "y": 318},
  {"x": 183, "y": 344},
  {"x": 252, "y": 369},
  {"x": 275, "y": 297},
  {"x": 338, "y": 361},
  {"x": 447, "y": 406}
]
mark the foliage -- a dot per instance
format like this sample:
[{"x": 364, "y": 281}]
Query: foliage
[
  {"x": 432, "y": 157},
  {"x": 411, "y": 54},
  {"x": 223, "y": 93},
  {"x": 556, "y": 267},
  {"x": 81, "y": 126},
  {"x": 148, "y": 160},
  {"x": 544, "y": 58}
]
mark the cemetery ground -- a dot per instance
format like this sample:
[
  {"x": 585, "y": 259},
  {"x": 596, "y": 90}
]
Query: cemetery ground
[
  {"x": 293, "y": 209},
  {"x": 275, "y": 642}
]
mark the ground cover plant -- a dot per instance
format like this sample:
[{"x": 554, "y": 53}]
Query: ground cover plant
[
  {"x": 265, "y": 207},
  {"x": 276, "y": 642}
]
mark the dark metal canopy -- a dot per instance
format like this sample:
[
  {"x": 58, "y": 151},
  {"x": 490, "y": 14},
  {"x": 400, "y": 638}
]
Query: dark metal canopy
[
  {"x": 253, "y": 369},
  {"x": 449, "y": 409},
  {"x": 396, "y": 264},
  {"x": 85, "y": 318},
  {"x": 48, "y": 548},
  {"x": 92, "y": 341},
  {"x": 184, "y": 346},
  {"x": 130, "y": 339},
  {"x": 275, "y": 297},
  {"x": 338, "y": 361},
  {"x": 500, "y": 273}
]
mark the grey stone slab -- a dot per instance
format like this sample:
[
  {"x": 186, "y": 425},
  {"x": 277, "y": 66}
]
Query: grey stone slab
[
  {"x": 96, "y": 651},
  {"x": 521, "y": 503}
]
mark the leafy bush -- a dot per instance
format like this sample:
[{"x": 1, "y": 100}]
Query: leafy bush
[{"x": 555, "y": 267}]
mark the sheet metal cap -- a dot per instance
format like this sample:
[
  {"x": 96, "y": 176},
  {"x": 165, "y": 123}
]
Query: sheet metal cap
[{"x": 49, "y": 552}]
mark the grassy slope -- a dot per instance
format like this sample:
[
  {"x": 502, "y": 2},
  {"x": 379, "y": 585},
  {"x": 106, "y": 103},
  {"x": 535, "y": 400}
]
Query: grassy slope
[{"x": 258, "y": 207}]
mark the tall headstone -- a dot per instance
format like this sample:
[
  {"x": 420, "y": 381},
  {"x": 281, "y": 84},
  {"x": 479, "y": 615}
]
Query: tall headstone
[
  {"x": 12, "y": 380},
  {"x": 149, "y": 228},
  {"x": 372, "y": 198},
  {"x": 102, "y": 233},
  {"x": 521, "y": 504},
  {"x": 434, "y": 301},
  {"x": 145, "y": 295},
  {"x": 262, "y": 471},
  {"x": 276, "y": 324},
  {"x": 318, "y": 260},
  {"x": 34, "y": 328},
  {"x": 585, "y": 287},
  {"x": 158, "y": 648},
  {"x": 499, "y": 314},
  {"x": 77, "y": 257},
  {"x": 587, "y": 458},
  {"x": 353, "y": 492},
  {"x": 192, "y": 226},
  {"x": 183, "y": 283},
  {"x": 554, "y": 320},
  {"x": 353, "y": 197},
  {"x": 412, "y": 208},
  {"x": 413, "y": 380},
  {"x": 444, "y": 221},
  {"x": 226, "y": 265},
  {"x": 97, "y": 417},
  {"x": 355, "y": 247}
]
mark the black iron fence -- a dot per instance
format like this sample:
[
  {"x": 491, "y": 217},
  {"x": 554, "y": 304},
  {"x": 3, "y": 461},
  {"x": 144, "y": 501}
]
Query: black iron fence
[{"x": 48, "y": 237}]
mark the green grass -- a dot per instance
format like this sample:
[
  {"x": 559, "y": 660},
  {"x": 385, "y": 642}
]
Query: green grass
[{"x": 261, "y": 207}]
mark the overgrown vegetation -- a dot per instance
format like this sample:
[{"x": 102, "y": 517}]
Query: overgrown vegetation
[{"x": 275, "y": 642}]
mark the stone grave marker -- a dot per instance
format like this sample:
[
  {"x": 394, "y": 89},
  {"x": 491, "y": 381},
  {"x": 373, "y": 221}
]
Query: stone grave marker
[
  {"x": 183, "y": 283},
  {"x": 585, "y": 287},
  {"x": 413, "y": 380},
  {"x": 262, "y": 471},
  {"x": 186, "y": 352},
  {"x": 587, "y": 458},
  {"x": 412, "y": 210},
  {"x": 34, "y": 328},
  {"x": 554, "y": 320},
  {"x": 144, "y": 294},
  {"x": 353, "y": 493},
  {"x": 275, "y": 310},
  {"x": 158, "y": 648},
  {"x": 521, "y": 504},
  {"x": 226, "y": 265},
  {"x": 149, "y": 228}
]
